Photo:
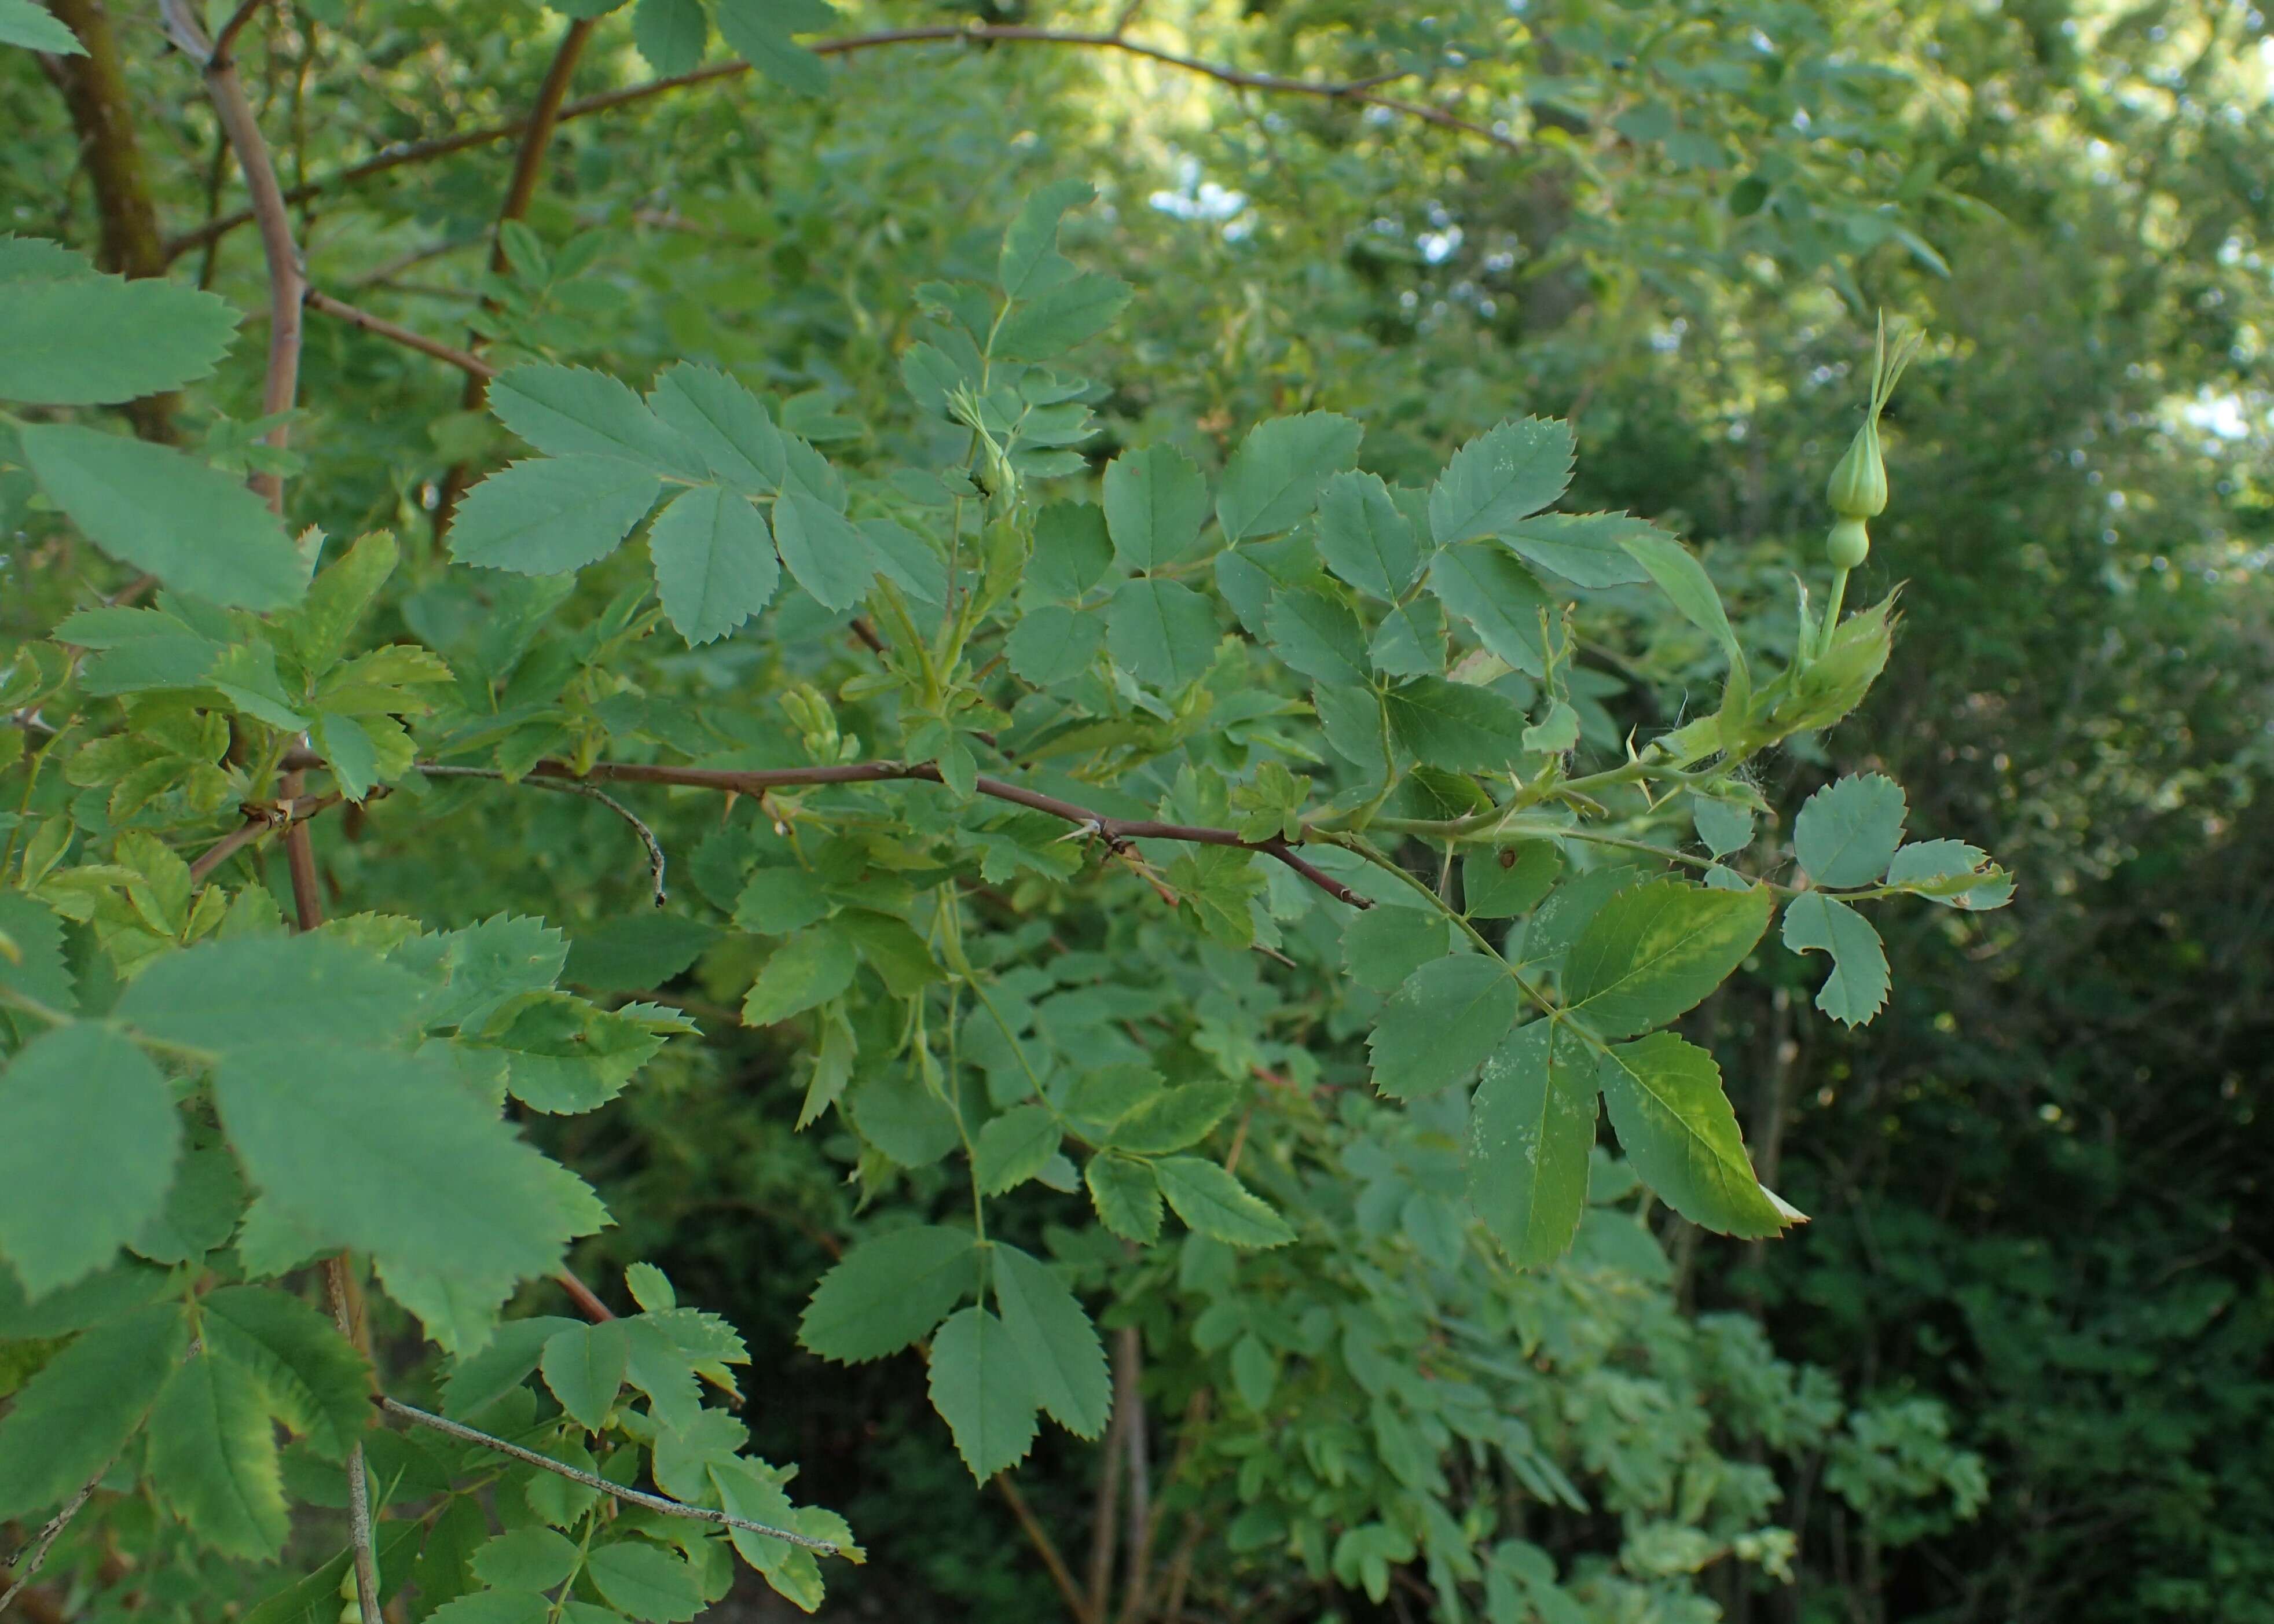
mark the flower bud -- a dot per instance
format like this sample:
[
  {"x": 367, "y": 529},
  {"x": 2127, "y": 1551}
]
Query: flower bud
[
  {"x": 1850, "y": 544},
  {"x": 1858, "y": 487}
]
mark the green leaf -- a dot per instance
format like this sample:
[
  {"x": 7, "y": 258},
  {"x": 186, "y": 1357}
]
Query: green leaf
[
  {"x": 1127, "y": 1196},
  {"x": 1318, "y": 637},
  {"x": 1503, "y": 474},
  {"x": 36, "y": 968},
  {"x": 1387, "y": 943},
  {"x": 526, "y": 1559},
  {"x": 1072, "y": 550},
  {"x": 1029, "y": 263},
  {"x": 1509, "y": 882},
  {"x": 714, "y": 561},
  {"x": 390, "y": 1154},
  {"x": 1439, "y": 1026},
  {"x": 1676, "y": 1126},
  {"x": 1686, "y": 584},
  {"x": 1723, "y": 825},
  {"x": 1949, "y": 872},
  {"x": 213, "y": 1458},
  {"x": 1161, "y": 633},
  {"x": 256, "y": 991},
  {"x": 888, "y": 1292},
  {"x": 1531, "y": 1126},
  {"x": 1219, "y": 885},
  {"x": 88, "y": 1140},
  {"x": 550, "y": 515},
  {"x": 755, "y": 31},
  {"x": 808, "y": 968},
  {"x": 199, "y": 1212},
  {"x": 1498, "y": 598},
  {"x": 575, "y": 411},
  {"x": 1274, "y": 480},
  {"x": 727, "y": 426},
  {"x": 1056, "y": 321},
  {"x": 585, "y": 1366},
  {"x": 1582, "y": 547},
  {"x": 1013, "y": 1148},
  {"x": 1055, "y": 1340},
  {"x": 34, "y": 28},
  {"x": 671, "y": 34},
  {"x": 645, "y": 1582},
  {"x": 1054, "y": 644},
  {"x": 1365, "y": 538},
  {"x": 480, "y": 1379},
  {"x": 1410, "y": 641},
  {"x": 492, "y": 1608},
  {"x": 1847, "y": 832},
  {"x": 1453, "y": 726},
  {"x": 827, "y": 555},
  {"x": 1856, "y": 990},
  {"x": 193, "y": 527},
  {"x": 67, "y": 1422},
  {"x": 984, "y": 1392},
  {"x": 1155, "y": 503},
  {"x": 1217, "y": 1205},
  {"x": 1174, "y": 1118},
  {"x": 102, "y": 340},
  {"x": 636, "y": 952},
  {"x": 310, "y": 1376},
  {"x": 1654, "y": 951}
]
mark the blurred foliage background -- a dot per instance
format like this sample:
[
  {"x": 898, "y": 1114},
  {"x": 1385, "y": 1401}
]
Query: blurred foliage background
[{"x": 2021, "y": 1367}]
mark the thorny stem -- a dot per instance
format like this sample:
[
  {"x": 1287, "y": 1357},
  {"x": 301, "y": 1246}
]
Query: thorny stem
[{"x": 635, "y": 1497}]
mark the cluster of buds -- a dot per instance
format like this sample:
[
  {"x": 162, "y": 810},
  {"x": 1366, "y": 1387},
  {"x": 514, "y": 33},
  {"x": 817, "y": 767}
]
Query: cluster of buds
[{"x": 1857, "y": 490}]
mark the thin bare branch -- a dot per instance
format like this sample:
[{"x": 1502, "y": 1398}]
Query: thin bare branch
[
  {"x": 27, "y": 1566},
  {"x": 1358, "y": 90},
  {"x": 635, "y": 1497},
  {"x": 655, "y": 858},
  {"x": 588, "y": 1302},
  {"x": 1044, "y": 1546},
  {"x": 339, "y": 1289},
  {"x": 1115, "y": 833},
  {"x": 281, "y": 384},
  {"x": 473, "y": 366},
  {"x": 223, "y": 42}
]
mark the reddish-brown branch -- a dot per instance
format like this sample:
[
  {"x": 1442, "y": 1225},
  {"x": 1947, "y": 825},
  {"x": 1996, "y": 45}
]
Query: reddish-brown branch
[
  {"x": 588, "y": 1303},
  {"x": 472, "y": 365},
  {"x": 1044, "y": 1546},
  {"x": 280, "y": 386},
  {"x": 259, "y": 821},
  {"x": 1359, "y": 90},
  {"x": 1116, "y": 833}
]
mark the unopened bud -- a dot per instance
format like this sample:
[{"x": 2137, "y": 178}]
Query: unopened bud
[{"x": 1858, "y": 487}]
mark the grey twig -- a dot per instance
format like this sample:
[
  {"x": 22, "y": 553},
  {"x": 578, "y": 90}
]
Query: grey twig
[
  {"x": 29, "y": 1566},
  {"x": 652, "y": 1502},
  {"x": 655, "y": 858}
]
